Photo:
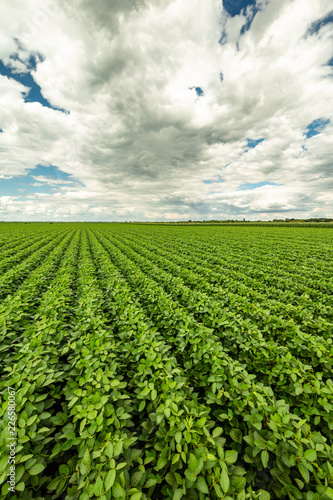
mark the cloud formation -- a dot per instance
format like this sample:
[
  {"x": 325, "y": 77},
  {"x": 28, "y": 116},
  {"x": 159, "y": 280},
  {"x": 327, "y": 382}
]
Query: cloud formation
[{"x": 173, "y": 106}]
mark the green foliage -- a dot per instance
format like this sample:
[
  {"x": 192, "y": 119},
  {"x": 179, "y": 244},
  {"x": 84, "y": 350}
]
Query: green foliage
[{"x": 160, "y": 362}]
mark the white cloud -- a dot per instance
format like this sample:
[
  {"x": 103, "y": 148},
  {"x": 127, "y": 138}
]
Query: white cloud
[
  {"x": 138, "y": 139},
  {"x": 43, "y": 179}
]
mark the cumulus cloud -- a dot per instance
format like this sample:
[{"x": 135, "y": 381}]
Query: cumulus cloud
[{"x": 139, "y": 138}]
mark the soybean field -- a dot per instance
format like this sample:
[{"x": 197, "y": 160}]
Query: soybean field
[{"x": 166, "y": 362}]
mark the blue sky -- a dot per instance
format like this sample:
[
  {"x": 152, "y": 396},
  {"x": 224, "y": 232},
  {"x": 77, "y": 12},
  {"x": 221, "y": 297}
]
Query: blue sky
[
  {"x": 41, "y": 179},
  {"x": 320, "y": 23},
  {"x": 252, "y": 143},
  {"x": 316, "y": 127},
  {"x": 209, "y": 181},
  {"x": 33, "y": 91},
  {"x": 235, "y": 7},
  {"x": 255, "y": 185},
  {"x": 153, "y": 111},
  {"x": 198, "y": 91}
]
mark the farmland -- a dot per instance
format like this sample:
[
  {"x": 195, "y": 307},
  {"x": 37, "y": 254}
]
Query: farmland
[{"x": 166, "y": 362}]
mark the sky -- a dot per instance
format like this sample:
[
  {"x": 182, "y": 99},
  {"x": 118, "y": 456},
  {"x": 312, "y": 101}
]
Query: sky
[{"x": 164, "y": 110}]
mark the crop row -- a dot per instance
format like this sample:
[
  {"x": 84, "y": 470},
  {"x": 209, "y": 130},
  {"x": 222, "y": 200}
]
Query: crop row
[{"x": 149, "y": 363}]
